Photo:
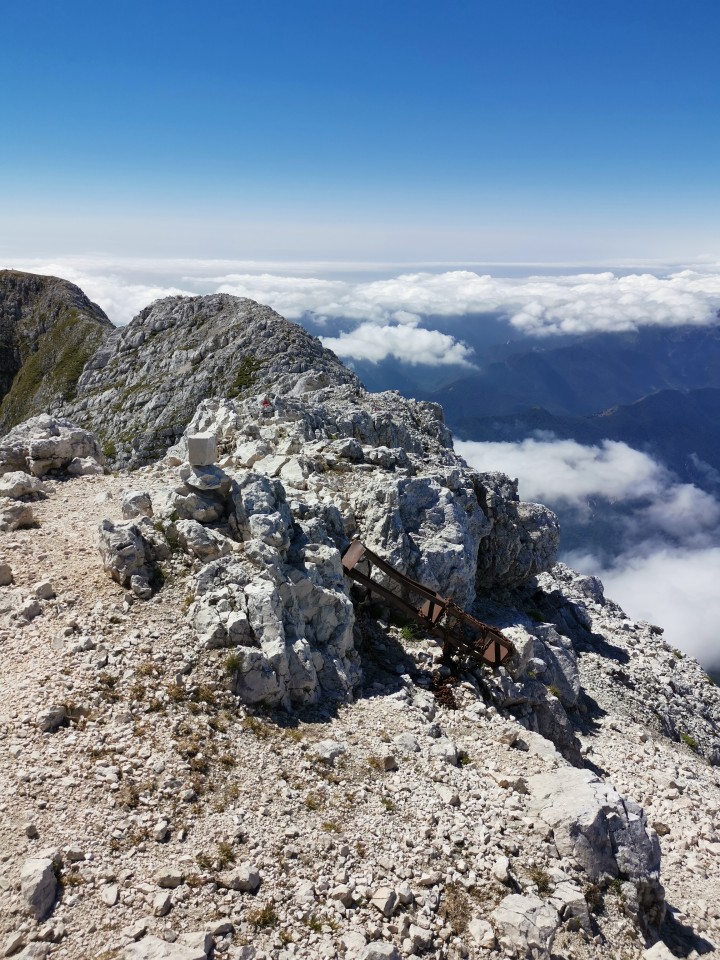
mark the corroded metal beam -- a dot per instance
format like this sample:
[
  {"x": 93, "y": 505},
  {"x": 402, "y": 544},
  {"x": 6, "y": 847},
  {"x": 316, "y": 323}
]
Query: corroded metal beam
[{"x": 460, "y": 632}]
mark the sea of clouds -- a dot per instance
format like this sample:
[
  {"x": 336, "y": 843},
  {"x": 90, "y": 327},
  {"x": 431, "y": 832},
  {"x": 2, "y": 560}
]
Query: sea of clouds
[
  {"x": 370, "y": 318},
  {"x": 668, "y": 565}
]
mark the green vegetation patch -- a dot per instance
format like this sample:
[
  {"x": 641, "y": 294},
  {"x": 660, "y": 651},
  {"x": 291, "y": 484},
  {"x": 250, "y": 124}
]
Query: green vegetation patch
[
  {"x": 51, "y": 372},
  {"x": 244, "y": 376}
]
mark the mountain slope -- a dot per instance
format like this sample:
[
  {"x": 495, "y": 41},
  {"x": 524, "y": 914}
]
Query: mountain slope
[
  {"x": 48, "y": 331},
  {"x": 143, "y": 386}
]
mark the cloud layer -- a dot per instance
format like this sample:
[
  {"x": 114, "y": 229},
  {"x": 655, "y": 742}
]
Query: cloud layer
[
  {"x": 666, "y": 565},
  {"x": 365, "y": 318}
]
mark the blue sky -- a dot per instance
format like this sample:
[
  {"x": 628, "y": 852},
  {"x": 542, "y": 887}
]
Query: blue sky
[{"x": 558, "y": 130}]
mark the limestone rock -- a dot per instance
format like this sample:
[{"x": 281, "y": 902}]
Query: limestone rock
[
  {"x": 18, "y": 484},
  {"x": 153, "y": 948},
  {"x": 15, "y": 514},
  {"x": 525, "y": 925},
  {"x": 380, "y": 951},
  {"x": 50, "y": 718},
  {"x": 482, "y": 933},
  {"x": 524, "y": 539},
  {"x": 292, "y": 626},
  {"x": 168, "y": 877},
  {"x": 136, "y": 503},
  {"x": 38, "y": 885},
  {"x": 203, "y": 543},
  {"x": 84, "y": 467},
  {"x": 245, "y": 878},
  {"x": 607, "y": 835},
  {"x": 128, "y": 554},
  {"x": 45, "y": 443}
]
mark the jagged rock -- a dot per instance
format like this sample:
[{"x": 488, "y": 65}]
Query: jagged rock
[
  {"x": 482, "y": 933},
  {"x": 45, "y": 443},
  {"x": 15, "y": 515},
  {"x": 524, "y": 539},
  {"x": 18, "y": 484},
  {"x": 52, "y": 717},
  {"x": 34, "y": 951},
  {"x": 6, "y": 574},
  {"x": 136, "y": 503},
  {"x": 526, "y": 925},
  {"x": 128, "y": 554},
  {"x": 245, "y": 878},
  {"x": 292, "y": 623},
  {"x": 38, "y": 885},
  {"x": 605, "y": 834},
  {"x": 203, "y": 543},
  {"x": 569, "y": 901},
  {"x": 84, "y": 467}
]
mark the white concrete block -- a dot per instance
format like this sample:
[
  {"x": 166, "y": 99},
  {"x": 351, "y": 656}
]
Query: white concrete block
[{"x": 202, "y": 449}]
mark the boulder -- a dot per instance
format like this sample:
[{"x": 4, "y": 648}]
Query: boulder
[
  {"x": 18, "y": 484},
  {"x": 46, "y": 443},
  {"x": 129, "y": 553},
  {"x": 84, "y": 467},
  {"x": 203, "y": 543},
  {"x": 245, "y": 878},
  {"x": 136, "y": 503},
  {"x": 291, "y": 624},
  {"x": 605, "y": 834},
  {"x": 525, "y": 926},
  {"x": 38, "y": 885},
  {"x": 15, "y": 514},
  {"x": 153, "y": 948}
]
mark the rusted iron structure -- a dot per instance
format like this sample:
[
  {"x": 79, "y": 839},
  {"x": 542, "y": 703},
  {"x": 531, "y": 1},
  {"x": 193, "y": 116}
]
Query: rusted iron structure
[{"x": 460, "y": 633}]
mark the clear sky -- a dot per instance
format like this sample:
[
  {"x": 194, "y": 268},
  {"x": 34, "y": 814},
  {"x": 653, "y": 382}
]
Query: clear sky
[{"x": 529, "y": 130}]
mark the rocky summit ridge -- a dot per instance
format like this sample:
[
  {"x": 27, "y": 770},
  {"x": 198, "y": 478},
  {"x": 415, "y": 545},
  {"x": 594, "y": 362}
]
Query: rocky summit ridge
[{"x": 211, "y": 746}]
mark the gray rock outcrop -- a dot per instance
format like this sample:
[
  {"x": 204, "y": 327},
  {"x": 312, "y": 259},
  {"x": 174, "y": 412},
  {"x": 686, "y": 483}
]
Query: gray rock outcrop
[
  {"x": 46, "y": 443},
  {"x": 526, "y": 926},
  {"x": 130, "y": 552},
  {"x": 607, "y": 835}
]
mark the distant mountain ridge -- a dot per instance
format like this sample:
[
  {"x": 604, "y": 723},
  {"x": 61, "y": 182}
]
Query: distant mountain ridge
[
  {"x": 587, "y": 375},
  {"x": 680, "y": 428}
]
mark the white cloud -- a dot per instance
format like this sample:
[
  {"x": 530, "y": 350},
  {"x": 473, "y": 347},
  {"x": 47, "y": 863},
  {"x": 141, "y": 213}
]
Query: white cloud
[
  {"x": 538, "y": 305},
  {"x": 563, "y": 470},
  {"x": 667, "y": 565},
  {"x": 675, "y": 588},
  {"x": 374, "y": 342}
]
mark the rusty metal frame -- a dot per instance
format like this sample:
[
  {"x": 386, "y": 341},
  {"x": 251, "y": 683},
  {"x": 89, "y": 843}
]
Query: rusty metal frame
[{"x": 460, "y": 632}]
